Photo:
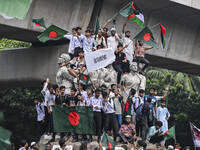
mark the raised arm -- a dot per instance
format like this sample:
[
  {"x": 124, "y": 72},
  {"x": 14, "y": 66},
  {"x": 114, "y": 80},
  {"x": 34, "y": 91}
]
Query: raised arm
[
  {"x": 106, "y": 23},
  {"x": 67, "y": 63},
  {"x": 166, "y": 91},
  {"x": 150, "y": 47},
  {"x": 118, "y": 51},
  {"x": 123, "y": 29},
  {"x": 136, "y": 43}
]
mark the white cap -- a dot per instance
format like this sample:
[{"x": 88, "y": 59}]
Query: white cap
[
  {"x": 33, "y": 144},
  {"x": 170, "y": 147},
  {"x": 128, "y": 116},
  {"x": 113, "y": 29}
]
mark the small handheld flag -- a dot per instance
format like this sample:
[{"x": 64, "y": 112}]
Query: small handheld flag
[
  {"x": 52, "y": 33},
  {"x": 84, "y": 78},
  {"x": 108, "y": 142},
  {"x": 170, "y": 134},
  {"x": 162, "y": 33},
  {"x": 39, "y": 22}
]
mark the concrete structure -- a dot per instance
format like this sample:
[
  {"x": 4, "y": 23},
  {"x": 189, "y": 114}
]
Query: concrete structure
[{"x": 27, "y": 67}]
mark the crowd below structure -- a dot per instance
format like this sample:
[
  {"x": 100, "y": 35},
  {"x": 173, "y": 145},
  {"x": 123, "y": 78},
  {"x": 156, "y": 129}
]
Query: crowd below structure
[{"x": 121, "y": 108}]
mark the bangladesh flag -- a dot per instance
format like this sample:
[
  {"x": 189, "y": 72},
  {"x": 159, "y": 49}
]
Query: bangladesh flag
[
  {"x": 108, "y": 142},
  {"x": 77, "y": 119},
  {"x": 84, "y": 78},
  {"x": 170, "y": 134},
  {"x": 146, "y": 37},
  {"x": 127, "y": 110},
  {"x": 52, "y": 33},
  {"x": 39, "y": 22},
  {"x": 134, "y": 13},
  {"x": 162, "y": 33}
]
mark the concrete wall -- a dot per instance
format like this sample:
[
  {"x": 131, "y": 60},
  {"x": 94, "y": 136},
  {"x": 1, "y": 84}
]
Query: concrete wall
[{"x": 190, "y": 3}]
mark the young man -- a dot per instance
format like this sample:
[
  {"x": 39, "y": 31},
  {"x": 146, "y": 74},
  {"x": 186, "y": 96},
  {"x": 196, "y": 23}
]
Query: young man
[
  {"x": 154, "y": 102},
  {"x": 113, "y": 88},
  {"x": 154, "y": 135},
  {"x": 127, "y": 41},
  {"x": 139, "y": 54},
  {"x": 117, "y": 99},
  {"x": 113, "y": 40},
  {"x": 96, "y": 103},
  {"x": 90, "y": 93},
  {"x": 170, "y": 147},
  {"x": 177, "y": 146},
  {"x": 81, "y": 90},
  {"x": 78, "y": 41},
  {"x": 72, "y": 100},
  {"x": 34, "y": 146},
  {"x": 117, "y": 64},
  {"x": 127, "y": 131},
  {"x": 40, "y": 117},
  {"x": 145, "y": 118},
  {"x": 48, "y": 146},
  {"x": 24, "y": 145},
  {"x": 139, "y": 102},
  {"x": 71, "y": 44},
  {"x": 50, "y": 100},
  {"x": 77, "y": 64},
  {"x": 62, "y": 144},
  {"x": 89, "y": 43},
  {"x": 140, "y": 145},
  {"x": 100, "y": 40},
  {"x": 163, "y": 115},
  {"x": 110, "y": 117}
]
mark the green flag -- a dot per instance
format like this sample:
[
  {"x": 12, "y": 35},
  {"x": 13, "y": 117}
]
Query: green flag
[
  {"x": 78, "y": 119},
  {"x": 163, "y": 31},
  {"x": 170, "y": 134},
  {"x": 52, "y": 33},
  {"x": 146, "y": 37},
  {"x": 97, "y": 27},
  {"x": 84, "y": 78},
  {"x": 108, "y": 142},
  {"x": 39, "y": 22},
  {"x": 4, "y": 136},
  {"x": 129, "y": 11}
]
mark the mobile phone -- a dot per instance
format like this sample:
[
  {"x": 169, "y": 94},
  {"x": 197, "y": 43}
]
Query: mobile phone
[{"x": 114, "y": 22}]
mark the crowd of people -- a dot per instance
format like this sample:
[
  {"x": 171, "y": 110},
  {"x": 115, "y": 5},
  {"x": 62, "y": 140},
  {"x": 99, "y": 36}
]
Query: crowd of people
[{"x": 135, "y": 121}]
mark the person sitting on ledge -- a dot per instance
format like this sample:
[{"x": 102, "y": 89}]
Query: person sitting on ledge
[{"x": 77, "y": 64}]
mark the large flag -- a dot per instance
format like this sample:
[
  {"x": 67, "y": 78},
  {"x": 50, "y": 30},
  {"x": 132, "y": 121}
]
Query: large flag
[
  {"x": 52, "y": 33},
  {"x": 195, "y": 134},
  {"x": 162, "y": 33},
  {"x": 77, "y": 119},
  {"x": 170, "y": 134},
  {"x": 146, "y": 37},
  {"x": 84, "y": 78},
  {"x": 99, "y": 59},
  {"x": 134, "y": 13},
  {"x": 14, "y": 8},
  {"x": 97, "y": 27},
  {"x": 39, "y": 22},
  {"x": 108, "y": 142}
]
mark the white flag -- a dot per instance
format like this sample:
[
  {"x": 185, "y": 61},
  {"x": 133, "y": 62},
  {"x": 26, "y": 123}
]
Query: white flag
[{"x": 99, "y": 59}]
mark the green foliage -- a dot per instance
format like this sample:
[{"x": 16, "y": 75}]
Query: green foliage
[
  {"x": 183, "y": 99},
  {"x": 10, "y": 44},
  {"x": 19, "y": 113}
]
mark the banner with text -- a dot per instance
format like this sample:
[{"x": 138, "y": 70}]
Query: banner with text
[
  {"x": 99, "y": 59},
  {"x": 196, "y": 135}
]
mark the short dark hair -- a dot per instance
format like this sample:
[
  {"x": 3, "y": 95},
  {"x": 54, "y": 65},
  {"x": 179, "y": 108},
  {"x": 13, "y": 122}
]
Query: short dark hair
[
  {"x": 87, "y": 31},
  {"x": 141, "y": 91},
  {"x": 23, "y": 142},
  {"x": 149, "y": 100},
  {"x": 78, "y": 28},
  {"x": 61, "y": 142},
  {"x": 62, "y": 87},
  {"x": 43, "y": 82},
  {"x": 133, "y": 91},
  {"x": 55, "y": 86},
  {"x": 187, "y": 147},
  {"x": 119, "y": 45},
  {"x": 97, "y": 90},
  {"x": 36, "y": 98},
  {"x": 159, "y": 123},
  {"x": 144, "y": 145},
  {"x": 140, "y": 142},
  {"x": 83, "y": 86},
  {"x": 74, "y": 29},
  {"x": 50, "y": 86},
  {"x": 79, "y": 94},
  {"x": 112, "y": 85},
  {"x": 106, "y": 29},
  {"x": 104, "y": 94},
  {"x": 74, "y": 89},
  {"x": 127, "y": 32}
]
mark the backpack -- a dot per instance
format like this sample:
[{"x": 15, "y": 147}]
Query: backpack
[{"x": 139, "y": 112}]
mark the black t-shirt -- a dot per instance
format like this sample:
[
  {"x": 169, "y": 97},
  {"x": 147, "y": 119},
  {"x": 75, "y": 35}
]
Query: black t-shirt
[
  {"x": 72, "y": 100},
  {"x": 61, "y": 99},
  {"x": 119, "y": 58}
]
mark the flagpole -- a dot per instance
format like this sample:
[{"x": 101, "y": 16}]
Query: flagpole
[
  {"x": 154, "y": 26},
  {"x": 192, "y": 135},
  {"x": 119, "y": 11}
]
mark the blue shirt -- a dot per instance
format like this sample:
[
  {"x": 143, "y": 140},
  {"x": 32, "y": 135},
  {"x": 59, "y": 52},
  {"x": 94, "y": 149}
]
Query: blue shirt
[
  {"x": 88, "y": 44},
  {"x": 96, "y": 102},
  {"x": 108, "y": 107},
  {"x": 40, "y": 111}
]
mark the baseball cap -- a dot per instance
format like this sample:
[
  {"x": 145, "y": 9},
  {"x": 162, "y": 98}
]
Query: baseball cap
[
  {"x": 113, "y": 29},
  {"x": 128, "y": 116},
  {"x": 170, "y": 147}
]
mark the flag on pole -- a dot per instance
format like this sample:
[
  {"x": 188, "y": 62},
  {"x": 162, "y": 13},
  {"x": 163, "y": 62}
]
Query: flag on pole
[
  {"x": 170, "y": 134},
  {"x": 146, "y": 36},
  {"x": 97, "y": 27},
  {"x": 99, "y": 59},
  {"x": 84, "y": 78},
  {"x": 162, "y": 33},
  {"x": 195, "y": 134},
  {"x": 78, "y": 119},
  {"x": 108, "y": 142},
  {"x": 134, "y": 13},
  {"x": 52, "y": 33},
  {"x": 39, "y": 22}
]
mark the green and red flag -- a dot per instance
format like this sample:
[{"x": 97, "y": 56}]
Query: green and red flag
[
  {"x": 97, "y": 26},
  {"x": 39, "y": 22},
  {"x": 134, "y": 13},
  {"x": 108, "y": 142},
  {"x": 163, "y": 31},
  {"x": 146, "y": 36},
  {"x": 170, "y": 134},
  {"x": 84, "y": 78},
  {"x": 52, "y": 33},
  {"x": 78, "y": 119},
  {"x": 127, "y": 110}
]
